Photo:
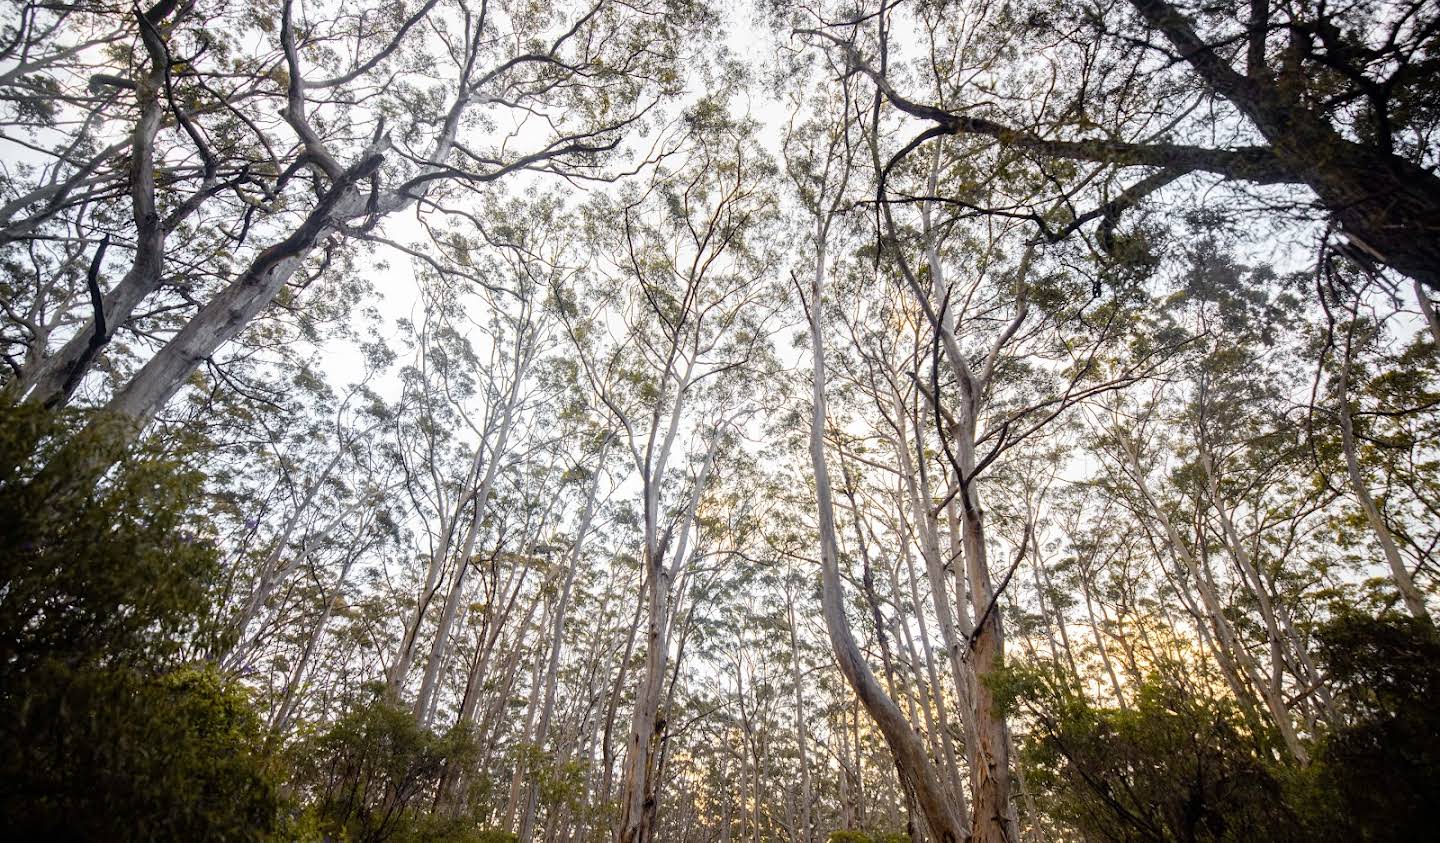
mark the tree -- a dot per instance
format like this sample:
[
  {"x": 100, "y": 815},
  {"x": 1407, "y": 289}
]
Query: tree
[
  {"x": 1329, "y": 98},
  {"x": 347, "y": 168},
  {"x": 692, "y": 243}
]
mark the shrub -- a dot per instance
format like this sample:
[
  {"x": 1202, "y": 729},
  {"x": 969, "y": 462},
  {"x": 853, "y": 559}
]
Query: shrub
[
  {"x": 1178, "y": 765},
  {"x": 105, "y": 733},
  {"x": 373, "y": 774},
  {"x": 1376, "y": 770},
  {"x": 1183, "y": 764}
]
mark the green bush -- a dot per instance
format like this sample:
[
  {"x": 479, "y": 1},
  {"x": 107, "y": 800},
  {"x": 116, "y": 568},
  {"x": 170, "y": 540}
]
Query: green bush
[
  {"x": 375, "y": 775},
  {"x": 105, "y": 732},
  {"x": 853, "y": 836},
  {"x": 96, "y": 571},
  {"x": 121, "y": 755},
  {"x": 1183, "y": 763},
  {"x": 1178, "y": 765},
  {"x": 1376, "y": 770}
]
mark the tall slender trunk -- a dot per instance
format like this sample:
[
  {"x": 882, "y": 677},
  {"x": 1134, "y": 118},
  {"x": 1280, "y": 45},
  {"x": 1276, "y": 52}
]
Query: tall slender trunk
[
  {"x": 943, "y": 817},
  {"x": 405, "y": 654},
  {"x": 923, "y": 523},
  {"x": 1285, "y": 644},
  {"x": 1414, "y": 599},
  {"x": 637, "y": 784},
  {"x": 1274, "y": 700},
  {"x": 995, "y": 818},
  {"x": 524, "y": 348},
  {"x": 807, "y": 796},
  {"x": 937, "y": 688},
  {"x": 513, "y": 803},
  {"x": 607, "y": 747},
  {"x": 557, "y": 633},
  {"x": 994, "y": 813},
  {"x": 1043, "y": 587}
]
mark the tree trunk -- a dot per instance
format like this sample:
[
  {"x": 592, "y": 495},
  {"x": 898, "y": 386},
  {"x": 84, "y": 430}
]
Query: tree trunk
[
  {"x": 1414, "y": 599},
  {"x": 557, "y": 637},
  {"x": 807, "y": 797},
  {"x": 55, "y": 378},
  {"x": 945, "y": 821},
  {"x": 222, "y": 318},
  {"x": 637, "y": 807},
  {"x": 1274, "y": 701}
]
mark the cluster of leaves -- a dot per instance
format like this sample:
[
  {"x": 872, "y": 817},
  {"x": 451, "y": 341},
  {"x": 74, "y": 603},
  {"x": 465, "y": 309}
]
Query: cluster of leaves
[
  {"x": 376, "y": 775},
  {"x": 105, "y": 731},
  {"x": 1177, "y": 765},
  {"x": 111, "y": 571},
  {"x": 1376, "y": 774},
  {"x": 122, "y": 755},
  {"x": 559, "y": 783},
  {"x": 851, "y": 836},
  {"x": 1185, "y": 763}
]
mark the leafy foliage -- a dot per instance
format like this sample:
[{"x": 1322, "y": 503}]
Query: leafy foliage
[
  {"x": 112, "y": 572},
  {"x": 374, "y": 774},
  {"x": 1185, "y": 764},
  {"x": 1376, "y": 775},
  {"x": 851, "y": 836},
  {"x": 1180, "y": 765},
  {"x": 104, "y": 732}
]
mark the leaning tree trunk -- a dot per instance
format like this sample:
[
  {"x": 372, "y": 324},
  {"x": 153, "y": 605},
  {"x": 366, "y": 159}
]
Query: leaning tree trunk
[
  {"x": 55, "y": 378},
  {"x": 917, "y": 773},
  {"x": 222, "y": 318},
  {"x": 1387, "y": 205},
  {"x": 1414, "y": 599},
  {"x": 1214, "y": 607}
]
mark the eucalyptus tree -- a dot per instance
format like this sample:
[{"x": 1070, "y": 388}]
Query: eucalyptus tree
[
  {"x": 1362, "y": 322},
  {"x": 669, "y": 329},
  {"x": 1332, "y": 100},
  {"x": 590, "y": 470},
  {"x": 967, "y": 368},
  {"x": 476, "y": 395},
  {"x": 262, "y": 147},
  {"x": 318, "y": 501},
  {"x": 1240, "y": 487},
  {"x": 821, "y": 177}
]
